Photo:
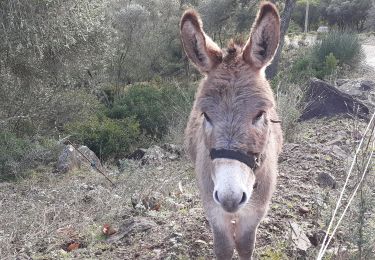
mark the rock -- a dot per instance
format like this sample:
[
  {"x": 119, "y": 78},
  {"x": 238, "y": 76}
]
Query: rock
[
  {"x": 316, "y": 238},
  {"x": 137, "y": 154},
  {"x": 338, "y": 152},
  {"x": 300, "y": 240},
  {"x": 326, "y": 180},
  {"x": 324, "y": 100},
  {"x": 135, "y": 225},
  {"x": 340, "y": 82},
  {"x": 356, "y": 88},
  {"x": 154, "y": 154},
  {"x": 157, "y": 154},
  {"x": 173, "y": 149},
  {"x": 71, "y": 159},
  {"x": 90, "y": 155},
  {"x": 86, "y": 187},
  {"x": 303, "y": 210},
  {"x": 361, "y": 89},
  {"x": 323, "y": 29},
  {"x": 68, "y": 159},
  {"x": 367, "y": 85}
]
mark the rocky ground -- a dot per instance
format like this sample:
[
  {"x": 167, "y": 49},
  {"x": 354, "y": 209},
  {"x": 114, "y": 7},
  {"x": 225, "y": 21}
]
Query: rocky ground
[{"x": 155, "y": 208}]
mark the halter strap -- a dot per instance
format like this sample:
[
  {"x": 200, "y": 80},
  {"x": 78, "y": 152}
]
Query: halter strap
[{"x": 250, "y": 160}]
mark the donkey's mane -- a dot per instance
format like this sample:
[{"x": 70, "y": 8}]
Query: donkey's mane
[{"x": 234, "y": 47}]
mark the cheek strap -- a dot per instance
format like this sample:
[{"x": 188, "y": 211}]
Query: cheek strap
[{"x": 250, "y": 160}]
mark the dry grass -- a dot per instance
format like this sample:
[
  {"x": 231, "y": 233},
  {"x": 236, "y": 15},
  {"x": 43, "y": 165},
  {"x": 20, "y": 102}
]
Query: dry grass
[{"x": 45, "y": 212}]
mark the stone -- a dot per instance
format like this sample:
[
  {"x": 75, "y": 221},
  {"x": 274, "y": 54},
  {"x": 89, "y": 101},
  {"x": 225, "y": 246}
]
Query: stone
[
  {"x": 154, "y": 154},
  {"x": 299, "y": 238},
  {"x": 323, "y": 29},
  {"x": 303, "y": 210},
  {"x": 173, "y": 149},
  {"x": 324, "y": 100},
  {"x": 316, "y": 238},
  {"x": 361, "y": 89},
  {"x": 137, "y": 154},
  {"x": 71, "y": 159},
  {"x": 326, "y": 180},
  {"x": 340, "y": 82},
  {"x": 134, "y": 225}
]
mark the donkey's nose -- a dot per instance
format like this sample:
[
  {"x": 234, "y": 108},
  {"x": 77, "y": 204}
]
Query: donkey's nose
[{"x": 231, "y": 201}]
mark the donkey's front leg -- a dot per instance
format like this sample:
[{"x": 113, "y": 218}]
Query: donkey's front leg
[
  {"x": 223, "y": 242},
  {"x": 245, "y": 241},
  {"x": 222, "y": 231},
  {"x": 246, "y": 229}
]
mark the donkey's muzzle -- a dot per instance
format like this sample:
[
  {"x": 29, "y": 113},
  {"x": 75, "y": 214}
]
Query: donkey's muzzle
[
  {"x": 232, "y": 202},
  {"x": 233, "y": 182}
]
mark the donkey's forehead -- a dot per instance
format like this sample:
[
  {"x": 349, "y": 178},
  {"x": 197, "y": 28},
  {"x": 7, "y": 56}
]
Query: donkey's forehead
[{"x": 231, "y": 90}]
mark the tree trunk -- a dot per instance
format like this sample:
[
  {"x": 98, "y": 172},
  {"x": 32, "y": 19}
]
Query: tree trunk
[
  {"x": 271, "y": 70},
  {"x": 307, "y": 16}
]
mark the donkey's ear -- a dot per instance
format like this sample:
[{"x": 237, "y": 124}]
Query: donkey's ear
[
  {"x": 200, "y": 49},
  {"x": 264, "y": 37}
]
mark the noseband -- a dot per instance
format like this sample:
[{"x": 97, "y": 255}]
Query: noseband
[{"x": 250, "y": 160}]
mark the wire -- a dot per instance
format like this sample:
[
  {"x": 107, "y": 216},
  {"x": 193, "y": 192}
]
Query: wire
[{"x": 320, "y": 255}]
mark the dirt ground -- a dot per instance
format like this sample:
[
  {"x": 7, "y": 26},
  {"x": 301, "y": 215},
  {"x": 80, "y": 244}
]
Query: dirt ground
[{"x": 43, "y": 215}]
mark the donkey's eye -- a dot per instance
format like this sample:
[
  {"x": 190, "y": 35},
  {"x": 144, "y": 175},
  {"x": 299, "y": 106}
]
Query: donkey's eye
[
  {"x": 259, "y": 116},
  {"x": 206, "y": 117}
]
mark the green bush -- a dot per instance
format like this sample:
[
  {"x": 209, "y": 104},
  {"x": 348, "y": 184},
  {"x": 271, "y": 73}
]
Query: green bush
[
  {"x": 13, "y": 151},
  {"x": 345, "y": 46},
  {"x": 144, "y": 103},
  {"x": 330, "y": 64},
  {"x": 106, "y": 137},
  {"x": 153, "y": 106}
]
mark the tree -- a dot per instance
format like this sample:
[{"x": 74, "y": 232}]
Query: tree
[
  {"x": 271, "y": 70},
  {"x": 306, "y": 13},
  {"x": 346, "y": 14}
]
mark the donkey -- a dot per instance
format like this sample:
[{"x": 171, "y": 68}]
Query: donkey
[{"x": 232, "y": 134}]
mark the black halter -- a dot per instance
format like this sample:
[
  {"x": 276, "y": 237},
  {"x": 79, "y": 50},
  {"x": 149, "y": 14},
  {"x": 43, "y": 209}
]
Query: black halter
[{"x": 250, "y": 160}]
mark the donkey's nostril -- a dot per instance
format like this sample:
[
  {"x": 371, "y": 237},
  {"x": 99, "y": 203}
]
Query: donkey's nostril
[
  {"x": 244, "y": 198},
  {"x": 216, "y": 196}
]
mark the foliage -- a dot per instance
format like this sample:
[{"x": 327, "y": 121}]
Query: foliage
[
  {"x": 13, "y": 150},
  {"x": 289, "y": 107},
  {"x": 104, "y": 136},
  {"x": 331, "y": 63},
  {"x": 299, "y": 13},
  {"x": 303, "y": 68},
  {"x": 48, "y": 48},
  {"x": 325, "y": 57},
  {"x": 346, "y": 14},
  {"x": 152, "y": 105},
  {"x": 344, "y": 45},
  {"x": 144, "y": 102}
]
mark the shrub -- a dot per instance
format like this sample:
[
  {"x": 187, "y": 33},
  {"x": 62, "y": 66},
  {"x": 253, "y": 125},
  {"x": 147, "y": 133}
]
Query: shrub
[
  {"x": 330, "y": 64},
  {"x": 154, "y": 106},
  {"x": 106, "y": 137},
  {"x": 289, "y": 107},
  {"x": 345, "y": 46},
  {"x": 13, "y": 151},
  {"x": 179, "y": 100},
  {"x": 144, "y": 103}
]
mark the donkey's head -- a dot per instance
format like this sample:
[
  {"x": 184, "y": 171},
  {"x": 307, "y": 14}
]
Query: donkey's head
[{"x": 235, "y": 102}]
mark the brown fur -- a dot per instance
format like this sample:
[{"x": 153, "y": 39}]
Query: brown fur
[{"x": 232, "y": 94}]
